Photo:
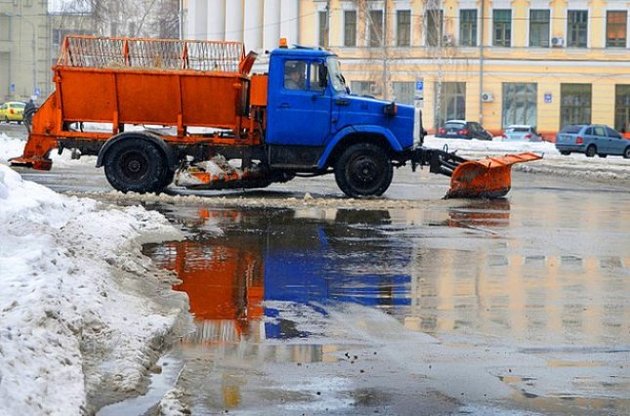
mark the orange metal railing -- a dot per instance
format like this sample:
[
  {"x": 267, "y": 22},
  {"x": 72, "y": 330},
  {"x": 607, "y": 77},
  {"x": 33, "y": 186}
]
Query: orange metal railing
[{"x": 99, "y": 52}]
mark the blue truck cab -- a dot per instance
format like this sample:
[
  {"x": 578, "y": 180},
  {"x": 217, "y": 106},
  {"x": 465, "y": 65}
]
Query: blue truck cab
[{"x": 316, "y": 125}]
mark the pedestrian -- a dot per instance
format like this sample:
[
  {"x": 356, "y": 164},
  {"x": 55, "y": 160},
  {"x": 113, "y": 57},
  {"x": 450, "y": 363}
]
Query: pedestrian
[{"x": 29, "y": 111}]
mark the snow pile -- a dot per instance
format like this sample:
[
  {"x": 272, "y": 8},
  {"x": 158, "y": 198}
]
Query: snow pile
[
  {"x": 172, "y": 404},
  {"x": 496, "y": 146},
  {"x": 11, "y": 147},
  {"x": 82, "y": 313}
]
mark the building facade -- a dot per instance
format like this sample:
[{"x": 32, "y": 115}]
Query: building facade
[
  {"x": 501, "y": 62},
  {"x": 546, "y": 63},
  {"x": 258, "y": 23},
  {"x": 24, "y": 49}
]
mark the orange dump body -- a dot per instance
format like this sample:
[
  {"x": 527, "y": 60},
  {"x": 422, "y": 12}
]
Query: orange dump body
[{"x": 145, "y": 81}]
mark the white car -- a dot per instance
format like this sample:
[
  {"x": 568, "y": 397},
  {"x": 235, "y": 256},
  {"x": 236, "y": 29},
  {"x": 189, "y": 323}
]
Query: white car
[{"x": 521, "y": 132}]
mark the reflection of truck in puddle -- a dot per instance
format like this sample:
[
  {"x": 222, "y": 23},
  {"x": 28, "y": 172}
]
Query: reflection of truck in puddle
[{"x": 297, "y": 258}]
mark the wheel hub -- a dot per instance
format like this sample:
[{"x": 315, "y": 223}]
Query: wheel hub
[
  {"x": 364, "y": 170},
  {"x": 134, "y": 165}
]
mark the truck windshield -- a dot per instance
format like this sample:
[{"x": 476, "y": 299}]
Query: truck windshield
[{"x": 337, "y": 80}]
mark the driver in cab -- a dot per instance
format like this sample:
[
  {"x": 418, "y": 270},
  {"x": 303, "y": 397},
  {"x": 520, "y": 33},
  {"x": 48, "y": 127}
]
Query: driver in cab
[{"x": 295, "y": 78}]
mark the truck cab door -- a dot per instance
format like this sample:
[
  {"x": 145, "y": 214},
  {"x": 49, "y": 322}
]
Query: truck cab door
[{"x": 299, "y": 106}]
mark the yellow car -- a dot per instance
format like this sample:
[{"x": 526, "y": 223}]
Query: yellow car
[{"x": 12, "y": 111}]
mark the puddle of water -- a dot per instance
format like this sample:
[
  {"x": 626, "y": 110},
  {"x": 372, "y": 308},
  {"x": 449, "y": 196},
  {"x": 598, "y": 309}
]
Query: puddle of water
[
  {"x": 444, "y": 278},
  {"x": 160, "y": 383},
  {"x": 261, "y": 283}
]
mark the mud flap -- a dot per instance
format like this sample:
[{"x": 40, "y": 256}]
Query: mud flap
[{"x": 487, "y": 178}]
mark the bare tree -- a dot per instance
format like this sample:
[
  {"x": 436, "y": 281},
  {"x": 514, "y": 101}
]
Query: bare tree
[{"x": 133, "y": 18}]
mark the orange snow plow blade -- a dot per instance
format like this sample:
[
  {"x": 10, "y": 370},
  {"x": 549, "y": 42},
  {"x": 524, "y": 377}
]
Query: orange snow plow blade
[{"x": 487, "y": 178}]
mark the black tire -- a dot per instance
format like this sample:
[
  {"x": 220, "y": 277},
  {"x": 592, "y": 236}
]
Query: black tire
[
  {"x": 565, "y": 153},
  {"x": 136, "y": 165},
  {"x": 626, "y": 153},
  {"x": 168, "y": 178},
  {"x": 363, "y": 170},
  {"x": 591, "y": 150},
  {"x": 6, "y": 119}
]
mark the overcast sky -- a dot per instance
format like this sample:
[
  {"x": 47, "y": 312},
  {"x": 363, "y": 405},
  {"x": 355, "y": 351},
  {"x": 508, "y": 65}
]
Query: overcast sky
[{"x": 56, "y": 6}]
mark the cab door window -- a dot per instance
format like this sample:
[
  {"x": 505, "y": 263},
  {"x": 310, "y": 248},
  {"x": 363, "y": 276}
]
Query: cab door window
[
  {"x": 317, "y": 76},
  {"x": 295, "y": 75},
  {"x": 301, "y": 75}
]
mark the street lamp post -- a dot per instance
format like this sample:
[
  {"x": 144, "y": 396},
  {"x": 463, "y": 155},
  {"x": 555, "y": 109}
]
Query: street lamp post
[{"x": 33, "y": 52}]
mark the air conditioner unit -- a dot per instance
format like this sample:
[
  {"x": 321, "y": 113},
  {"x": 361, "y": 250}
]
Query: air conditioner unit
[
  {"x": 557, "y": 42},
  {"x": 448, "y": 40},
  {"x": 487, "y": 97}
]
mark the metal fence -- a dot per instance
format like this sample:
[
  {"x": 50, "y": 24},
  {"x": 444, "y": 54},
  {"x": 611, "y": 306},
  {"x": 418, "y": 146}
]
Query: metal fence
[{"x": 97, "y": 52}]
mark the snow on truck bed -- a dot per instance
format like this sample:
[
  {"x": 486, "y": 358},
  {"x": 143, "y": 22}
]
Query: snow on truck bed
[{"x": 79, "y": 315}]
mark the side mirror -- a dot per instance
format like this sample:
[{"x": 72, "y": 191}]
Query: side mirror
[{"x": 323, "y": 76}]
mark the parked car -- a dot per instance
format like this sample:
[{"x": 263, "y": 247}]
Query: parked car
[
  {"x": 592, "y": 139},
  {"x": 521, "y": 132},
  {"x": 461, "y": 129},
  {"x": 12, "y": 111}
]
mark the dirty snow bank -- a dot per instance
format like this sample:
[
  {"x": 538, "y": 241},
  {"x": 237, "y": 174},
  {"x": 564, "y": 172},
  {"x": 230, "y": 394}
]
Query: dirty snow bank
[{"x": 79, "y": 311}]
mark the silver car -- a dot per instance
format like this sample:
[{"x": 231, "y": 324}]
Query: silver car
[
  {"x": 522, "y": 133},
  {"x": 592, "y": 139}
]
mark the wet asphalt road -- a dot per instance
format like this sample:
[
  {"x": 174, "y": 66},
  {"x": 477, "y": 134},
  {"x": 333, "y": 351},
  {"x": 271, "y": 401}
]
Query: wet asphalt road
[{"x": 514, "y": 306}]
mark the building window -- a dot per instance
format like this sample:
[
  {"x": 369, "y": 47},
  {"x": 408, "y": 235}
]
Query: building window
[
  {"x": 58, "y": 35},
  {"x": 468, "y": 27},
  {"x": 622, "y": 108},
  {"x": 5, "y": 24},
  {"x": 502, "y": 25},
  {"x": 403, "y": 28},
  {"x": 323, "y": 29},
  {"x": 575, "y": 104},
  {"x": 404, "y": 91},
  {"x": 616, "y": 22},
  {"x": 539, "y": 28},
  {"x": 362, "y": 87},
  {"x": 519, "y": 103},
  {"x": 577, "y": 30},
  {"x": 376, "y": 27},
  {"x": 434, "y": 19},
  {"x": 450, "y": 102},
  {"x": 350, "y": 28}
]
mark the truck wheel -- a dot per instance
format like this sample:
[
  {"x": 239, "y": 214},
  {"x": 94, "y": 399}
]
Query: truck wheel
[
  {"x": 135, "y": 165},
  {"x": 169, "y": 174},
  {"x": 363, "y": 169}
]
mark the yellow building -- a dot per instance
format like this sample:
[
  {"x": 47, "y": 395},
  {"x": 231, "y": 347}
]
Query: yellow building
[{"x": 501, "y": 62}]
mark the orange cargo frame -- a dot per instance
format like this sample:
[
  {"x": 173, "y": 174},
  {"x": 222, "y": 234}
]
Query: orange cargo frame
[{"x": 125, "y": 94}]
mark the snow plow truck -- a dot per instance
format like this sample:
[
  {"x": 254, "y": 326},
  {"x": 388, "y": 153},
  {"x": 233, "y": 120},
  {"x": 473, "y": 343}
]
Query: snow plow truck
[{"x": 155, "y": 111}]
